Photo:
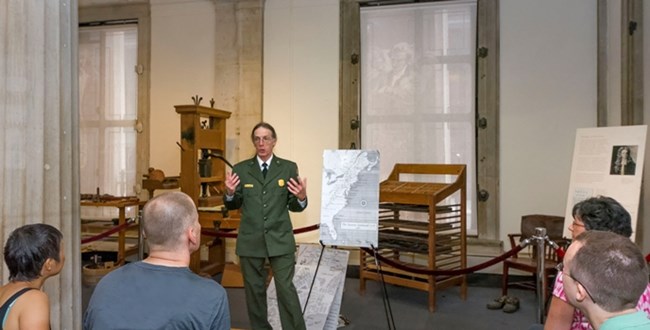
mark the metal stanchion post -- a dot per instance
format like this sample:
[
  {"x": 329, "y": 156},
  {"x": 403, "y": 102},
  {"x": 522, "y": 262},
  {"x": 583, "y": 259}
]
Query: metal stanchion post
[{"x": 540, "y": 238}]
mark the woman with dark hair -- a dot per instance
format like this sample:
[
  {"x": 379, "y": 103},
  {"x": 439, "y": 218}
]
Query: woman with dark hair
[
  {"x": 33, "y": 253},
  {"x": 594, "y": 214}
]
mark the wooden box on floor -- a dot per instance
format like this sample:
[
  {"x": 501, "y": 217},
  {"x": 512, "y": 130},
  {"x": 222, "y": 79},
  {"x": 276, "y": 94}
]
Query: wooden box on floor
[
  {"x": 421, "y": 221},
  {"x": 213, "y": 255},
  {"x": 232, "y": 277}
]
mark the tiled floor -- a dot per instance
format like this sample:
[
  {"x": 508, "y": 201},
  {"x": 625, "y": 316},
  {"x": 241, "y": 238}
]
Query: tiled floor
[{"x": 410, "y": 310}]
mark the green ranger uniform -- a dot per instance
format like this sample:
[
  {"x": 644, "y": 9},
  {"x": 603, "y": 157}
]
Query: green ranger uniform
[{"x": 265, "y": 231}]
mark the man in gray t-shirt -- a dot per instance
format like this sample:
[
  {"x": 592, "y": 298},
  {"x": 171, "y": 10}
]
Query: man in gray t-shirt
[{"x": 161, "y": 292}]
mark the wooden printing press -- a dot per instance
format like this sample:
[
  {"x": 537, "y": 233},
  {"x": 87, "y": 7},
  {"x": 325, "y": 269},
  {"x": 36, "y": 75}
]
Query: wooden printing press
[{"x": 423, "y": 225}]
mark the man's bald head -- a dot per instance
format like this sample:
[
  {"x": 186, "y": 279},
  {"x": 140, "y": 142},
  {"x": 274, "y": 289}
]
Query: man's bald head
[{"x": 166, "y": 218}]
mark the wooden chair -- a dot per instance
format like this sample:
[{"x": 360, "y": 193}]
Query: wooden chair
[{"x": 554, "y": 228}]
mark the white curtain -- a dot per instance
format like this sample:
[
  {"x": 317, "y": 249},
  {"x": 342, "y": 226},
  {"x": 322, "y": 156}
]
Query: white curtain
[
  {"x": 108, "y": 110},
  {"x": 418, "y": 87}
]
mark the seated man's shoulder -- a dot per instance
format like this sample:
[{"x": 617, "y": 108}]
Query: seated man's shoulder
[{"x": 208, "y": 284}]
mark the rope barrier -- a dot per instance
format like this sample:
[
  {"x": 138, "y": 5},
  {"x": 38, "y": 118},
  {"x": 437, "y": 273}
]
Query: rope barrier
[
  {"x": 107, "y": 233},
  {"x": 229, "y": 234},
  {"x": 433, "y": 272},
  {"x": 559, "y": 251},
  {"x": 218, "y": 233},
  {"x": 394, "y": 263},
  {"x": 306, "y": 229}
]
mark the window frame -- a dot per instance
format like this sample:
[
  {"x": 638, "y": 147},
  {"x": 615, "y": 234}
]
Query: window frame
[
  {"x": 142, "y": 14},
  {"x": 487, "y": 103}
]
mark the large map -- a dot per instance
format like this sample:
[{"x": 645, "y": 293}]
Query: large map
[{"x": 350, "y": 198}]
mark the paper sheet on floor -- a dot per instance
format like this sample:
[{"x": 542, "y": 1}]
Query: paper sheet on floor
[{"x": 324, "y": 302}]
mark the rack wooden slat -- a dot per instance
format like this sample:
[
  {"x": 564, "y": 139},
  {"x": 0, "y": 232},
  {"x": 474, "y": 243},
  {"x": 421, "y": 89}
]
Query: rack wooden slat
[{"x": 439, "y": 238}]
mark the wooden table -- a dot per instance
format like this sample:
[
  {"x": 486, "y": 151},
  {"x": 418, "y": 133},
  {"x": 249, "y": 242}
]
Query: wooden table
[
  {"x": 208, "y": 216},
  {"x": 121, "y": 205}
]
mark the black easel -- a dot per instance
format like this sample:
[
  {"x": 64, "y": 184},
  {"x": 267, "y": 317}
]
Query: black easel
[
  {"x": 313, "y": 280},
  {"x": 387, "y": 309}
]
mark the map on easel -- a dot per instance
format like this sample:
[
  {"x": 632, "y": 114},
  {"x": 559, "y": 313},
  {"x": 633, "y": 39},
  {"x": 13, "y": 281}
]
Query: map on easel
[
  {"x": 350, "y": 198},
  {"x": 607, "y": 161},
  {"x": 324, "y": 302}
]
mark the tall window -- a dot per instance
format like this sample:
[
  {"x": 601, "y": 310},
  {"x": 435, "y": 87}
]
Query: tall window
[
  {"x": 108, "y": 108},
  {"x": 418, "y": 87}
]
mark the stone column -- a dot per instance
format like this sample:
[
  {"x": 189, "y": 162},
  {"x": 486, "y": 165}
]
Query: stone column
[
  {"x": 39, "y": 180},
  {"x": 239, "y": 49}
]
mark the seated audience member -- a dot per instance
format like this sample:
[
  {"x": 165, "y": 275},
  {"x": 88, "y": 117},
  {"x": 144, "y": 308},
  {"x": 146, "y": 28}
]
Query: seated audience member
[
  {"x": 33, "y": 254},
  {"x": 161, "y": 292},
  {"x": 596, "y": 213},
  {"x": 604, "y": 276}
]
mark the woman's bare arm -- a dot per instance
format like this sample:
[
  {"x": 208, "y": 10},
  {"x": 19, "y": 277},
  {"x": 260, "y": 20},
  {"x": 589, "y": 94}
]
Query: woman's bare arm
[
  {"x": 560, "y": 315},
  {"x": 34, "y": 311}
]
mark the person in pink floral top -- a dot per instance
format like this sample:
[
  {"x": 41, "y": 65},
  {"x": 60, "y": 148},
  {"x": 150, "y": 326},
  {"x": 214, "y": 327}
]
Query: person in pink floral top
[{"x": 596, "y": 213}]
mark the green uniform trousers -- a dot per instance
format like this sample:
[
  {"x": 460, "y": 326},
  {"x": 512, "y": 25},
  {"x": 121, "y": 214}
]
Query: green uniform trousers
[{"x": 255, "y": 275}]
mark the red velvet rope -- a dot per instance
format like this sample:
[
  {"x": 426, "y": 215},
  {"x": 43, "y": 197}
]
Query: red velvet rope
[
  {"x": 560, "y": 253},
  {"x": 397, "y": 264},
  {"x": 106, "y": 233},
  {"x": 219, "y": 233},
  {"x": 206, "y": 232},
  {"x": 306, "y": 229},
  {"x": 434, "y": 272},
  {"x": 227, "y": 234}
]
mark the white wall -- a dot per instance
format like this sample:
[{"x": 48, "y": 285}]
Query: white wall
[
  {"x": 301, "y": 70},
  {"x": 182, "y": 65},
  {"x": 548, "y": 90}
]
